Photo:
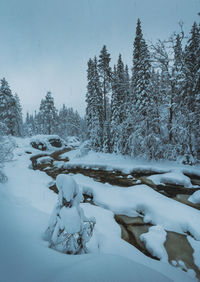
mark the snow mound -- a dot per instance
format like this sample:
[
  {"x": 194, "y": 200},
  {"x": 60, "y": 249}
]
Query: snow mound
[
  {"x": 154, "y": 240},
  {"x": 176, "y": 178},
  {"x": 45, "y": 160},
  {"x": 72, "y": 226},
  {"x": 155, "y": 207},
  {"x": 195, "y": 197},
  {"x": 47, "y": 142},
  {"x": 68, "y": 188},
  {"x": 112, "y": 268}
]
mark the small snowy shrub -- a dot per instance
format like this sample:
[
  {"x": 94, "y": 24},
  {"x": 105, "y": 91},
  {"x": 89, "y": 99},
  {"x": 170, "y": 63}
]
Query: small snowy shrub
[
  {"x": 84, "y": 149},
  {"x": 69, "y": 230},
  {"x": 6, "y": 154}
]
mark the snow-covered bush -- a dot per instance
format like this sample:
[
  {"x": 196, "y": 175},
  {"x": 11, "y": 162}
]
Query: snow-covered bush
[
  {"x": 6, "y": 153},
  {"x": 73, "y": 141},
  {"x": 84, "y": 149},
  {"x": 69, "y": 230}
]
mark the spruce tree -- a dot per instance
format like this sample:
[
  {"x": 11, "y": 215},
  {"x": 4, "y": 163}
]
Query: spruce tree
[
  {"x": 140, "y": 140},
  {"x": 94, "y": 110},
  {"x": 192, "y": 91},
  {"x": 105, "y": 76},
  {"x": 118, "y": 106},
  {"x": 18, "y": 117},
  {"x": 8, "y": 109},
  {"x": 48, "y": 115}
]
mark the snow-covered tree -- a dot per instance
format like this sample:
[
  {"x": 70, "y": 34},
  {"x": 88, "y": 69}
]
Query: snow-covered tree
[
  {"x": 18, "y": 117},
  {"x": 10, "y": 110},
  {"x": 69, "y": 230},
  {"x": 6, "y": 150},
  {"x": 105, "y": 77},
  {"x": 69, "y": 122},
  {"x": 140, "y": 141},
  {"x": 192, "y": 90},
  {"x": 29, "y": 125},
  {"x": 94, "y": 110},
  {"x": 118, "y": 106},
  {"x": 47, "y": 116}
]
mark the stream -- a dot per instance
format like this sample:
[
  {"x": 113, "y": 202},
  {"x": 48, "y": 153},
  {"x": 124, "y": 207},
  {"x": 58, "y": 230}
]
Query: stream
[{"x": 176, "y": 245}]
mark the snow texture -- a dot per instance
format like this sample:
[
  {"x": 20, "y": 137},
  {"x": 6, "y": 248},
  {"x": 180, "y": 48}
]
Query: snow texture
[
  {"x": 25, "y": 206},
  {"x": 176, "y": 178},
  {"x": 155, "y": 207},
  {"x": 154, "y": 240},
  {"x": 196, "y": 247},
  {"x": 44, "y": 141},
  {"x": 195, "y": 197}
]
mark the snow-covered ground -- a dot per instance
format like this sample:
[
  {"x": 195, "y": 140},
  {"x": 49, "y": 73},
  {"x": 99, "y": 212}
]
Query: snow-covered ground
[
  {"x": 26, "y": 204},
  {"x": 126, "y": 164}
]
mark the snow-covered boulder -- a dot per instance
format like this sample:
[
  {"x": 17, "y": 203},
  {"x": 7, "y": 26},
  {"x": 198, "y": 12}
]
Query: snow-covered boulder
[
  {"x": 69, "y": 230},
  {"x": 47, "y": 142}
]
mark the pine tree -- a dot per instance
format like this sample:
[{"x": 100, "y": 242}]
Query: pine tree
[
  {"x": 18, "y": 117},
  {"x": 127, "y": 126},
  {"x": 48, "y": 115},
  {"x": 140, "y": 139},
  {"x": 29, "y": 126},
  {"x": 94, "y": 110},
  {"x": 118, "y": 106},
  {"x": 8, "y": 109},
  {"x": 179, "y": 122},
  {"x": 192, "y": 90},
  {"x": 105, "y": 76}
]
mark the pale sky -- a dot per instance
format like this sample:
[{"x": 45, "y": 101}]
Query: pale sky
[{"x": 45, "y": 44}]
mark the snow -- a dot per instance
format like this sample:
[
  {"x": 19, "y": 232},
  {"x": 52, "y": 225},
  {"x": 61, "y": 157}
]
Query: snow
[
  {"x": 26, "y": 204},
  {"x": 176, "y": 178},
  {"x": 44, "y": 160},
  {"x": 71, "y": 220},
  {"x": 25, "y": 257},
  {"x": 72, "y": 141},
  {"x": 171, "y": 171},
  {"x": 154, "y": 240},
  {"x": 196, "y": 247},
  {"x": 195, "y": 197},
  {"x": 132, "y": 201},
  {"x": 67, "y": 187},
  {"x": 46, "y": 141}
]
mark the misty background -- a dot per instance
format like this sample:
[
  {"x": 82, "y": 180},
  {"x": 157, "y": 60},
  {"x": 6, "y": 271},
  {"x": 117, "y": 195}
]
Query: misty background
[{"x": 45, "y": 45}]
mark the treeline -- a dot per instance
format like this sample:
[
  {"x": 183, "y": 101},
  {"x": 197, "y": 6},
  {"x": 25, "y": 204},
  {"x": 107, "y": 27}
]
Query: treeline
[
  {"x": 64, "y": 122},
  {"x": 154, "y": 112},
  {"x": 48, "y": 120}
]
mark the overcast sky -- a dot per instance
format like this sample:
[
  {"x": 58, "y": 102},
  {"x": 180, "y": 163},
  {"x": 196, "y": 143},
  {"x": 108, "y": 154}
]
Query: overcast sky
[{"x": 45, "y": 44}]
